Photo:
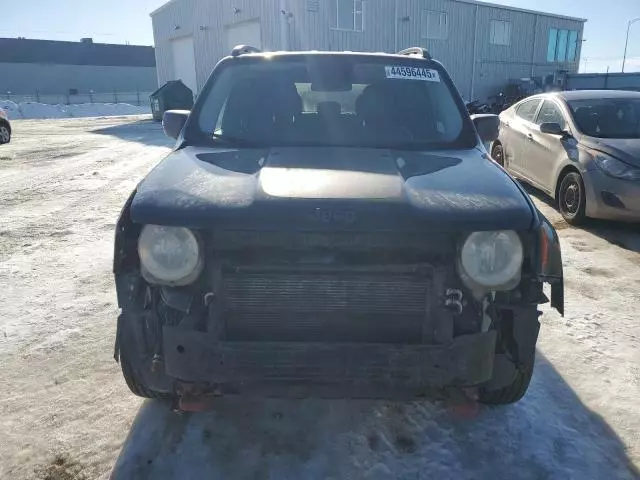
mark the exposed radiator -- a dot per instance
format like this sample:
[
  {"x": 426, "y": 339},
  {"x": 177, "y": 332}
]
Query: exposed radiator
[{"x": 366, "y": 304}]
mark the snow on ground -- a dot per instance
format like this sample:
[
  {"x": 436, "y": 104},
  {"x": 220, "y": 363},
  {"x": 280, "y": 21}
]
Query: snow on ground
[
  {"x": 65, "y": 409},
  {"x": 34, "y": 110}
]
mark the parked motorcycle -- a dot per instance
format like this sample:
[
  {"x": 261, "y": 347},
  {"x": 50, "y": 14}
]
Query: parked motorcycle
[{"x": 475, "y": 107}]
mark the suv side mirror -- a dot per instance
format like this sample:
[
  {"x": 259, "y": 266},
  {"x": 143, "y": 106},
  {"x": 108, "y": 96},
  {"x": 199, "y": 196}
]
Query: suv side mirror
[
  {"x": 173, "y": 121},
  {"x": 551, "y": 128},
  {"x": 487, "y": 126}
]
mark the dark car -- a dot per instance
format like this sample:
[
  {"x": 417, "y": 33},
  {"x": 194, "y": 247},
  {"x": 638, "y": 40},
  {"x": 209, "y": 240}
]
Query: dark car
[
  {"x": 5, "y": 127},
  {"x": 580, "y": 147},
  {"x": 330, "y": 225}
]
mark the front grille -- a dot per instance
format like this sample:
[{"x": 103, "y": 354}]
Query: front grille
[
  {"x": 358, "y": 304},
  {"x": 335, "y": 240}
]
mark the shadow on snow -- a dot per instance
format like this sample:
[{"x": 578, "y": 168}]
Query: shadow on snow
[
  {"x": 550, "y": 434},
  {"x": 144, "y": 131}
]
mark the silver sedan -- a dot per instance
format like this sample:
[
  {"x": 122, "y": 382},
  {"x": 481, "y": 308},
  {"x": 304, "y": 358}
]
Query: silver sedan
[{"x": 580, "y": 147}]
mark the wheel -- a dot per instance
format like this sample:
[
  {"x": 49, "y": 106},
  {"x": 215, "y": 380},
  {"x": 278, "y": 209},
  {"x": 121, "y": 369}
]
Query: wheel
[
  {"x": 571, "y": 198},
  {"x": 511, "y": 393},
  {"x": 5, "y": 133},
  {"x": 135, "y": 385},
  {"x": 497, "y": 153}
]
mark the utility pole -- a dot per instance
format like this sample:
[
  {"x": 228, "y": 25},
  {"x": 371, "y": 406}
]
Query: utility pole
[{"x": 626, "y": 44}]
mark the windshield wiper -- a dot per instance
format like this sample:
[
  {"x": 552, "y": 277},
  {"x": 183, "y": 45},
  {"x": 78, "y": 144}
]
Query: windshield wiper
[{"x": 240, "y": 142}]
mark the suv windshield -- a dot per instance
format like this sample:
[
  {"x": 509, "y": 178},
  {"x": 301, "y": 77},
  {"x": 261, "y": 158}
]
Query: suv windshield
[
  {"x": 325, "y": 100},
  {"x": 607, "y": 117}
]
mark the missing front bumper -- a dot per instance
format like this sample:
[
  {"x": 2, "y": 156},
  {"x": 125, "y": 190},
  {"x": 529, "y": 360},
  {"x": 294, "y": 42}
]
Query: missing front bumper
[{"x": 327, "y": 369}]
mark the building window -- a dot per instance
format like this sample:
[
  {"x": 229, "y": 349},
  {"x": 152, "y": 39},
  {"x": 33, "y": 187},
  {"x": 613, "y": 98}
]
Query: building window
[
  {"x": 500, "y": 33},
  {"x": 348, "y": 15},
  {"x": 435, "y": 25},
  {"x": 561, "y": 52},
  {"x": 551, "y": 48},
  {"x": 563, "y": 45},
  {"x": 572, "y": 49}
]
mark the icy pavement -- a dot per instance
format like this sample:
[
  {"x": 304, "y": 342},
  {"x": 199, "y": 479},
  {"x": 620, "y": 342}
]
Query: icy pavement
[{"x": 65, "y": 410}]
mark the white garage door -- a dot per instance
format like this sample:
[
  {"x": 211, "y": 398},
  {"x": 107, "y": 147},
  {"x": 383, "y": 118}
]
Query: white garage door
[
  {"x": 247, "y": 33},
  {"x": 184, "y": 62}
]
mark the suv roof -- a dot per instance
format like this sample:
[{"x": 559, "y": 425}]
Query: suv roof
[{"x": 241, "y": 50}]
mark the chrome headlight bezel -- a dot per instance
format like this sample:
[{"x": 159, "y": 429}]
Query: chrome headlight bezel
[
  {"x": 506, "y": 279},
  {"x": 183, "y": 244},
  {"x": 615, "y": 168}
]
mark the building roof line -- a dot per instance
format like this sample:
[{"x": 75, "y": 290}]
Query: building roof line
[
  {"x": 162, "y": 7},
  {"x": 515, "y": 9},
  {"x": 469, "y": 2}
]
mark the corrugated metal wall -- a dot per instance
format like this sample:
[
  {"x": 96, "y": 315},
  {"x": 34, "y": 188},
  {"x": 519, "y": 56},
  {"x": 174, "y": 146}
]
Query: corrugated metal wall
[
  {"x": 206, "y": 22},
  {"x": 479, "y": 68},
  {"x": 456, "y": 51},
  {"x": 29, "y": 78},
  {"x": 312, "y": 28},
  {"x": 527, "y": 54}
]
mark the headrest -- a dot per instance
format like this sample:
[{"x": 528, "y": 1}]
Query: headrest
[
  {"x": 586, "y": 118},
  {"x": 373, "y": 103},
  {"x": 329, "y": 109}
]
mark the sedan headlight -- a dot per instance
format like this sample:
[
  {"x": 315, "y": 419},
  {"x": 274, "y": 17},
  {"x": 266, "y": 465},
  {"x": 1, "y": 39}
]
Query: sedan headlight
[
  {"x": 491, "y": 260},
  {"x": 169, "y": 255},
  {"x": 615, "y": 168}
]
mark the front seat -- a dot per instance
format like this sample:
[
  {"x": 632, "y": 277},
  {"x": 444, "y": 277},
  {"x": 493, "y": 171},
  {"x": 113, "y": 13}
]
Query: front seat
[
  {"x": 377, "y": 111},
  {"x": 586, "y": 120}
]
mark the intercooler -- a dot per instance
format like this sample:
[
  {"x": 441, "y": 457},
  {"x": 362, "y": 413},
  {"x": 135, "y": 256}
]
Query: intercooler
[{"x": 334, "y": 303}]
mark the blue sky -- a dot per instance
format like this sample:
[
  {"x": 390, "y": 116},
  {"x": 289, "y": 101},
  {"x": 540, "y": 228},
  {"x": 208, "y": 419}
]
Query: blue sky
[{"x": 119, "y": 21}]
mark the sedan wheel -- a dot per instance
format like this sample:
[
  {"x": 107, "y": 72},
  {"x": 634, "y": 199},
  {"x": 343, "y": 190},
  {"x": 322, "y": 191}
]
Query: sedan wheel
[
  {"x": 5, "y": 135},
  {"x": 571, "y": 198},
  {"x": 497, "y": 153}
]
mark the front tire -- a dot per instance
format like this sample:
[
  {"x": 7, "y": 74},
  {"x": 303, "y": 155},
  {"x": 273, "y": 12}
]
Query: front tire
[
  {"x": 5, "y": 133},
  {"x": 511, "y": 393},
  {"x": 571, "y": 198},
  {"x": 137, "y": 386},
  {"x": 497, "y": 153}
]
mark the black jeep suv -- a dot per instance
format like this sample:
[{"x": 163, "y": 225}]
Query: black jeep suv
[{"x": 330, "y": 224}]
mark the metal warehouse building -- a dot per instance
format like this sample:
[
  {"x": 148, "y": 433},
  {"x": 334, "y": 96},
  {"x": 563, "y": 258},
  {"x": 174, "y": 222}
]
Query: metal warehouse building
[
  {"x": 41, "y": 68},
  {"x": 482, "y": 45}
]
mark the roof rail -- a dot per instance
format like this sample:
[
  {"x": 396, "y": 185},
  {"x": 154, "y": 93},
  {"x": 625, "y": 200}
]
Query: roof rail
[
  {"x": 423, "y": 52},
  {"x": 243, "y": 49}
]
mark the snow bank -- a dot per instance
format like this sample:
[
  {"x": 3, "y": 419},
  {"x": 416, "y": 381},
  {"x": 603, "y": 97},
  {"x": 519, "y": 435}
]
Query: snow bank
[{"x": 34, "y": 110}]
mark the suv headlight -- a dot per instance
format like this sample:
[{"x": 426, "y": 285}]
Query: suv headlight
[
  {"x": 615, "y": 168},
  {"x": 169, "y": 255},
  {"x": 491, "y": 260}
]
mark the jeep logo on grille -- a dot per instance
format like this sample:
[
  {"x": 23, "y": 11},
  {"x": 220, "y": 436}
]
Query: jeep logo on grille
[{"x": 325, "y": 215}]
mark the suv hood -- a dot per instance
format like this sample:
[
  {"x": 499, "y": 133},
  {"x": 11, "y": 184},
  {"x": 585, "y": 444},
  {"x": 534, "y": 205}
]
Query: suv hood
[
  {"x": 625, "y": 149},
  {"x": 331, "y": 188}
]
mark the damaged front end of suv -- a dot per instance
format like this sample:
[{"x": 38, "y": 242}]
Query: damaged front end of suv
[{"x": 292, "y": 268}]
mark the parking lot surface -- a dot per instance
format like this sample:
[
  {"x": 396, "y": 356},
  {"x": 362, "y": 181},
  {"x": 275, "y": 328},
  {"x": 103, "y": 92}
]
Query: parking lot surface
[{"x": 65, "y": 409}]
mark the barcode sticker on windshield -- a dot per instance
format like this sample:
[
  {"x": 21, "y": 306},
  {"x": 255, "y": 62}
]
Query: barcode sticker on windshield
[{"x": 412, "y": 73}]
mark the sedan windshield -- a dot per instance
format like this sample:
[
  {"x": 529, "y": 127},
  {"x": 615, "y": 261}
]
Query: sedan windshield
[
  {"x": 607, "y": 117},
  {"x": 334, "y": 101}
]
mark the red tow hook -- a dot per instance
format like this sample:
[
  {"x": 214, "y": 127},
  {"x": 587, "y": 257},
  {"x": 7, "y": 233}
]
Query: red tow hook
[
  {"x": 470, "y": 408},
  {"x": 193, "y": 397}
]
